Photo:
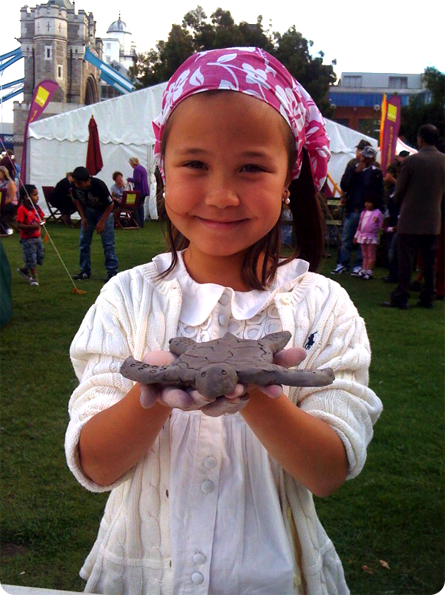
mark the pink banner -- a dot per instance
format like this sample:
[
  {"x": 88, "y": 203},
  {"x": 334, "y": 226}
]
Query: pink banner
[
  {"x": 390, "y": 132},
  {"x": 40, "y": 99}
]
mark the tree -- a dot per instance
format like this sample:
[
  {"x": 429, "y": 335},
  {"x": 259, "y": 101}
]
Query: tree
[
  {"x": 425, "y": 108},
  {"x": 292, "y": 49},
  {"x": 198, "y": 33}
]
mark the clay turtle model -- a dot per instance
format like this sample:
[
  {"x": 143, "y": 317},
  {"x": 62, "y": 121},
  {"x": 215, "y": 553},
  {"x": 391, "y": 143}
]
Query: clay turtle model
[{"x": 215, "y": 367}]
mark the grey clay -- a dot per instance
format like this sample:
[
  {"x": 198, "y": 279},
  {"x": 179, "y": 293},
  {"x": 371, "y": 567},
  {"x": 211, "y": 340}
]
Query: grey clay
[{"x": 215, "y": 367}]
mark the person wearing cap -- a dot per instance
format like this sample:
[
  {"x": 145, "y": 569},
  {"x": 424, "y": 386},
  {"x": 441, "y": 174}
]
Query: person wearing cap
[
  {"x": 364, "y": 179},
  {"x": 420, "y": 190}
]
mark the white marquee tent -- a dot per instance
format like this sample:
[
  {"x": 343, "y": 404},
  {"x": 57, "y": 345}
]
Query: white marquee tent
[{"x": 59, "y": 144}]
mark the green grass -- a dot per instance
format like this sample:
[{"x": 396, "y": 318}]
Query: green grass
[{"x": 394, "y": 511}]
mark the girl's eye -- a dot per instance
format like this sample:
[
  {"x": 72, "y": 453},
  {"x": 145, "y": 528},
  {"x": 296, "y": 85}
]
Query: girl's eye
[
  {"x": 195, "y": 164},
  {"x": 251, "y": 168}
]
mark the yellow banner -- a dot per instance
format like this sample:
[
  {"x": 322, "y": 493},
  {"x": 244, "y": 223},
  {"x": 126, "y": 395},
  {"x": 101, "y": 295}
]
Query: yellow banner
[{"x": 41, "y": 96}]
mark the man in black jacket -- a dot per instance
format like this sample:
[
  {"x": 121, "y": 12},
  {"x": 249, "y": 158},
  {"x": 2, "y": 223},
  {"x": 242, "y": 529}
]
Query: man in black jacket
[{"x": 361, "y": 180}]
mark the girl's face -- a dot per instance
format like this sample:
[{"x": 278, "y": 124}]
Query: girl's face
[
  {"x": 226, "y": 167},
  {"x": 119, "y": 180},
  {"x": 2, "y": 176},
  {"x": 369, "y": 206}
]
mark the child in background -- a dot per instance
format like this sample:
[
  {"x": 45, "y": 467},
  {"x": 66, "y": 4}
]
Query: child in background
[
  {"x": 215, "y": 497},
  {"x": 367, "y": 235},
  {"x": 30, "y": 218}
]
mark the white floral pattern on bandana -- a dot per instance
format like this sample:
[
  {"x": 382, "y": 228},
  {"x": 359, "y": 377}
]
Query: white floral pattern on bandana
[{"x": 254, "y": 72}]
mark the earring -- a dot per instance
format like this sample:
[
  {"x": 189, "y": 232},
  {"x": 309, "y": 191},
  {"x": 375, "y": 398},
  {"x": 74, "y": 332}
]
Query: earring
[{"x": 286, "y": 195}]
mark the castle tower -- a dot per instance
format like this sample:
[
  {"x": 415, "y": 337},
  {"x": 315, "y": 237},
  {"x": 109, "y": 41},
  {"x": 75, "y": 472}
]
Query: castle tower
[{"x": 53, "y": 41}]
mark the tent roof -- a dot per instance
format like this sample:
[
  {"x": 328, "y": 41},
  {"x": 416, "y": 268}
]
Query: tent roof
[{"x": 118, "y": 120}]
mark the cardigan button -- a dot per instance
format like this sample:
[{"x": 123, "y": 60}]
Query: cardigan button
[
  {"x": 197, "y": 578},
  {"x": 199, "y": 558},
  {"x": 287, "y": 299},
  {"x": 207, "y": 486},
  {"x": 210, "y": 463}
]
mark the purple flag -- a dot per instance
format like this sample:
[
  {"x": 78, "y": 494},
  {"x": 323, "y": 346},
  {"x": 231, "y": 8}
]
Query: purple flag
[{"x": 390, "y": 132}]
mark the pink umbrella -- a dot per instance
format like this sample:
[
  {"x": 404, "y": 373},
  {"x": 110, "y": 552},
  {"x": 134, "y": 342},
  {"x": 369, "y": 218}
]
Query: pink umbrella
[{"x": 94, "y": 156}]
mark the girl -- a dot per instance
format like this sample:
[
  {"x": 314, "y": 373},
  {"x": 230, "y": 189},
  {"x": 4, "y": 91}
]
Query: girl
[
  {"x": 203, "y": 502},
  {"x": 371, "y": 220}
]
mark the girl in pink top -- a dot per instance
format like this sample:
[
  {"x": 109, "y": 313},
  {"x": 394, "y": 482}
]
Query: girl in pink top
[{"x": 371, "y": 220}]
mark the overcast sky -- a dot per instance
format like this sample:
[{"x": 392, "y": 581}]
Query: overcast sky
[{"x": 376, "y": 36}]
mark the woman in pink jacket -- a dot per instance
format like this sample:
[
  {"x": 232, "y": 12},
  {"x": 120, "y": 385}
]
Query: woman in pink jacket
[{"x": 371, "y": 220}]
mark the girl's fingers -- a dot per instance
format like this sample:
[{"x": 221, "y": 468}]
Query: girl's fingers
[
  {"x": 238, "y": 391},
  {"x": 148, "y": 395},
  {"x": 159, "y": 358},
  {"x": 175, "y": 397},
  {"x": 272, "y": 390},
  {"x": 289, "y": 357},
  {"x": 223, "y": 405}
]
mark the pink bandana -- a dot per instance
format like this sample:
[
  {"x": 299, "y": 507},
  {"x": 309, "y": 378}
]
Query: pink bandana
[{"x": 254, "y": 72}]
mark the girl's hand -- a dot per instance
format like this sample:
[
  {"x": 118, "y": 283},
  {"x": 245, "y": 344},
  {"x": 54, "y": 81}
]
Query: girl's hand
[
  {"x": 190, "y": 399},
  {"x": 287, "y": 358}
]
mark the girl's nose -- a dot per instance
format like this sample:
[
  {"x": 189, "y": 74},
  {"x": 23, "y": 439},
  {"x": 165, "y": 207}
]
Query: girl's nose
[{"x": 222, "y": 195}]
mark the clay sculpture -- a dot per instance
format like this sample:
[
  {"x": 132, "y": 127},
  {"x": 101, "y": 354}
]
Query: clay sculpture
[{"x": 215, "y": 367}]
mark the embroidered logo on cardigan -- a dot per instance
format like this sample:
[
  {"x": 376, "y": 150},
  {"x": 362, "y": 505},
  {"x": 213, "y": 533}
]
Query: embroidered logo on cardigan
[{"x": 310, "y": 341}]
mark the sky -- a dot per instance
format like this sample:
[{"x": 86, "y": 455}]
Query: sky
[{"x": 377, "y": 36}]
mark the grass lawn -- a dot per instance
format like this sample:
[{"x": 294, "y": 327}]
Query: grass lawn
[{"x": 393, "y": 512}]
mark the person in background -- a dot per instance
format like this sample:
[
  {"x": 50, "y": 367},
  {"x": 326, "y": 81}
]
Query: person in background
[
  {"x": 119, "y": 186},
  {"x": 7, "y": 185},
  {"x": 140, "y": 183},
  {"x": 95, "y": 206},
  {"x": 389, "y": 236},
  {"x": 367, "y": 235},
  {"x": 30, "y": 218},
  {"x": 359, "y": 180},
  {"x": 62, "y": 198},
  {"x": 8, "y": 161},
  {"x": 420, "y": 189}
]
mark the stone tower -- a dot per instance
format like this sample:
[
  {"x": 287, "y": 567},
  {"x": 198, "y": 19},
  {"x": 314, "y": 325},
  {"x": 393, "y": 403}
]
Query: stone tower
[{"x": 53, "y": 41}]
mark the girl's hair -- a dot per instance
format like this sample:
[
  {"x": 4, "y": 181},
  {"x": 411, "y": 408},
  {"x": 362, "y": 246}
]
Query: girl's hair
[
  {"x": 308, "y": 223},
  {"x": 4, "y": 170},
  {"x": 115, "y": 174},
  {"x": 26, "y": 191}
]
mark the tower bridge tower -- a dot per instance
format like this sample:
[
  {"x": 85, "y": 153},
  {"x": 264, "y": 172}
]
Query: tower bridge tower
[{"x": 53, "y": 40}]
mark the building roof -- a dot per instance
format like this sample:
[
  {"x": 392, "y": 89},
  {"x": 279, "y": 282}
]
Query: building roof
[
  {"x": 61, "y": 3},
  {"x": 118, "y": 26}
]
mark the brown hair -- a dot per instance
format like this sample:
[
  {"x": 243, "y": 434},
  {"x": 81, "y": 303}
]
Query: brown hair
[{"x": 308, "y": 223}]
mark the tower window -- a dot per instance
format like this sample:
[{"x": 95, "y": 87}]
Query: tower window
[
  {"x": 48, "y": 52},
  {"x": 59, "y": 71}
]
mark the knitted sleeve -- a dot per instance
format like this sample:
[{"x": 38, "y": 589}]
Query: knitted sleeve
[
  {"x": 348, "y": 405},
  {"x": 101, "y": 344}
]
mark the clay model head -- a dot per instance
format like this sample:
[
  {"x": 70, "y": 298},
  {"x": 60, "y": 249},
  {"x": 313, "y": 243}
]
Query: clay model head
[{"x": 215, "y": 380}]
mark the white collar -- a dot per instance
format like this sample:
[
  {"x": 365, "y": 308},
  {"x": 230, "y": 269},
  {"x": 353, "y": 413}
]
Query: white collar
[{"x": 199, "y": 299}]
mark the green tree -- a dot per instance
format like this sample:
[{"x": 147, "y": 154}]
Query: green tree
[
  {"x": 292, "y": 49},
  {"x": 198, "y": 33},
  {"x": 425, "y": 108}
]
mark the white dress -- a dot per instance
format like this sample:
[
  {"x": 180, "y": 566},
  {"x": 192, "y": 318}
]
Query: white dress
[{"x": 226, "y": 521}]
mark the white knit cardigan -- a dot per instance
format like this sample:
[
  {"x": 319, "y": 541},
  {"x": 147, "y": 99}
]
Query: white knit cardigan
[{"x": 137, "y": 312}]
